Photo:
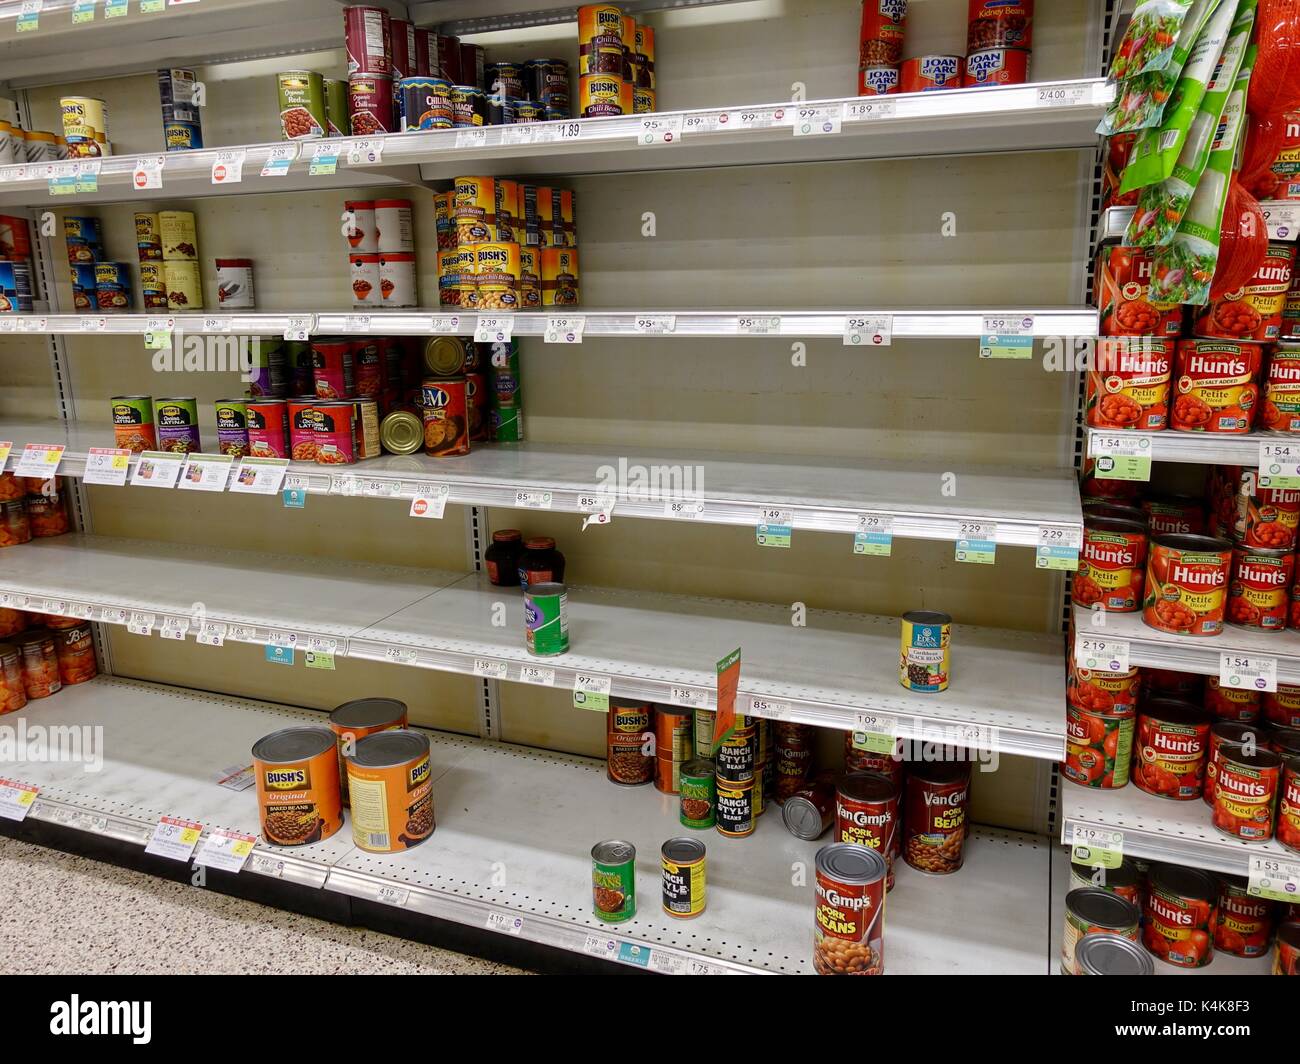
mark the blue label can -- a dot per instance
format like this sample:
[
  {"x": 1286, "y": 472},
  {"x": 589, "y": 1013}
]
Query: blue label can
[{"x": 15, "y": 288}]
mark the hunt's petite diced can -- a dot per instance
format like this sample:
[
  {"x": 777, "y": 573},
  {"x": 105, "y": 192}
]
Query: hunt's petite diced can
[
  {"x": 1187, "y": 584},
  {"x": 682, "y": 861},
  {"x": 613, "y": 881},
  {"x": 923, "y": 662},
  {"x": 545, "y": 620}
]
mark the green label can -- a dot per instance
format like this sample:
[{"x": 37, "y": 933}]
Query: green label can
[
  {"x": 698, "y": 791},
  {"x": 704, "y": 731},
  {"x": 613, "y": 881},
  {"x": 545, "y": 608},
  {"x": 338, "y": 123},
  {"x": 302, "y": 105},
  {"x": 507, "y": 398}
]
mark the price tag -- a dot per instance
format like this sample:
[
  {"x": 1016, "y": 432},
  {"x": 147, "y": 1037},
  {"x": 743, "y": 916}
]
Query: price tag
[
  {"x": 205, "y": 472},
  {"x": 494, "y": 329},
  {"x": 319, "y": 659},
  {"x": 591, "y": 692},
  {"x": 1247, "y": 672},
  {"x": 115, "y": 8},
  {"x": 656, "y": 324},
  {"x": 517, "y": 134},
  {"x": 346, "y": 484},
  {"x": 175, "y": 627},
  {"x": 218, "y": 325},
  {"x": 227, "y": 850},
  {"x": 684, "y": 511},
  {"x": 705, "y": 122},
  {"x": 1100, "y": 655},
  {"x": 212, "y": 634},
  {"x": 776, "y": 528},
  {"x": 29, "y": 16},
  {"x": 754, "y": 118},
  {"x": 84, "y": 11},
  {"x": 1097, "y": 847},
  {"x": 228, "y": 167},
  {"x": 529, "y": 499},
  {"x": 977, "y": 542},
  {"x": 660, "y": 129},
  {"x": 875, "y": 535},
  {"x": 157, "y": 469},
  {"x": 381, "y": 489},
  {"x": 489, "y": 669},
  {"x": 299, "y": 328},
  {"x": 1279, "y": 464},
  {"x": 875, "y": 732},
  {"x": 1120, "y": 457},
  {"x": 88, "y": 175},
  {"x": 279, "y": 159},
  {"x": 366, "y": 152},
  {"x": 63, "y": 179},
  {"x": 33, "y": 324},
  {"x": 695, "y": 697},
  {"x": 445, "y": 323},
  {"x": 114, "y": 615},
  {"x": 471, "y": 138},
  {"x": 259, "y": 476},
  {"x": 152, "y": 7},
  {"x": 1007, "y": 337},
  {"x": 765, "y": 707},
  {"x": 565, "y": 330},
  {"x": 174, "y": 838},
  {"x": 1058, "y": 547},
  {"x": 93, "y": 324},
  {"x": 506, "y": 923},
  {"x": 1282, "y": 219},
  {"x": 140, "y": 623},
  {"x": 84, "y": 610},
  {"x": 599, "y": 507},
  {"x": 281, "y": 639},
  {"x": 1277, "y": 878},
  {"x": 430, "y": 501},
  {"x": 401, "y": 655},
  {"x": 148, "y": 172},
  {"x": 359, "y": 323},
  {"x": 537, "y": 674},
  {"x": 324, "y": 159},
  {"x": 868, "y": 109},
  {"x": 761, "y": 326},
  {"x": 266, "y": 866},
  {"x": 39, "y": 460},
  {"x": 818, "y": 120},
  {"x": 874, "y": 331},
  {"x": 1062, "y": 95},
  {"x": 597, "y": 946},
  {"x": 393, "y": 895},
  {"x": 16, "y": 799}
]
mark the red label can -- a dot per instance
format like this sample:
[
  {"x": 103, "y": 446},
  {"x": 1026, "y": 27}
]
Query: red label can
[
  {"x": 268, "y": 428},
  {"x": 878, "y": 81},
  {"x": 794, "y": 758},
  {"x": 367, "y": 32},
  {"x": 301, "y": 415},
  {"x": 1259, "y": 593},
  {"x": 880, "y": 37},
  {"x": 1124, "y": 295},
  {"x": 1096, "y": 487},
  {"x": 1112, "y": 565},
  {"x": 1098, "y": 747},
  {"x": 1286, "y": 956},
  {"x": 1230, "y": 703},
  {"x": 1169, "y": 683},
  {"x": 1174, "y": 515},
  {"x": 370, "y": 104},
  {"x": 446, "y": 418},
  {"x": 936, "y": 795},
  {"x": 368, "y": 368},
  {"x": 1000, "y": 24},
  {"x": 866, "y": 814},
  {"x": 849, "y": 935},
  {"x": 1216, "y": 386},
  {"x": 332, "y": 368},
  {"x": 1245, "y": 792},
  {"x": 1288, "y": 812},
  {"x": 926, "y": 73},
  {"x": 477, "y": 405},
  {"x": 996, "y": 66},
  {"x": 1103, "y": 692},
  {"x": 1243, "y": 925},
  {"x": 1280, "y": 411},
  {"x": 1266, "y": 517},
  {"x": 1128, "y": 388},
  {"x": 857, "y": 759},
  {"x": 1255, "y": 311},
  {"x": 1224, "y": 733},
  {"x": 1170, "y": 749},
  {"x": 1176, "y": 925},
  {"x": 1281, "y": 708},
  {"x": 1187, "y": 584},
  {"x": 334, "y": 429}
]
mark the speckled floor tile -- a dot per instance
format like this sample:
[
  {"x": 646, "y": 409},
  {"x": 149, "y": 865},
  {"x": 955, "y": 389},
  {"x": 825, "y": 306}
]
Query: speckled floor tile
[{"x": 82, "y": 916}]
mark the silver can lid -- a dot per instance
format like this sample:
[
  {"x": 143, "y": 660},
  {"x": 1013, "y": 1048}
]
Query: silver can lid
[
  {"x": 682, "y": 851},
  {"x": 803, "y": 819},
  {"x": 388, "y": 749},
  {"x": 848, "y": 863},
  {"x": 613, "y": 852},
  {"x": 1102, "y": 953},
  {"x": 368, "y": 713},
  {"x": 294, "y": 744}
]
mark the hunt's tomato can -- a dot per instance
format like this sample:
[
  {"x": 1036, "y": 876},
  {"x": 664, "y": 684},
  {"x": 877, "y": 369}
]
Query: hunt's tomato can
[
  {"x": 1169, "y": 750},
  {"x": 880, "y": 38},
  {"x": 1286, "y": 955},
  {"x": 1245, "y": 792},
  {"x": 878, "y": 81},
  {"x": 926, "y": 73},
  {"x": 1176, "y": 918},
  {"x": 1103, "y": 692},
  {"x": 1243, "y": 925},
  {"x": 1216, "y": 386},
  {"x": 1174, "y": 515},
  {"x": 1104, "y": 488},
  {"x": 1255, "y": 311},
  {"x": 1230, "y": 703},
  {"x": 1000, "y": 24},
  {"x": 1288, "y": 811},
  {"x": 996, "y": 66},
  {"x": 1128, "y": 388},
  {"x": 1098, "y": 747},
  {"x": 1258, "y": 595},
  {"x": 1093, "y": 910},
  {"x": 1187, "y": 584},
  {"x": 1266, "y": 517},
  {"x": 867, "y": 814},
  {"x": 1124, "y": 295},
  {"x": 1281, "y": 708},
  {"x": 1280, "y": 410},
  {"x": 1169, "y": 683},
  {"x": 1112, "y": 565}
]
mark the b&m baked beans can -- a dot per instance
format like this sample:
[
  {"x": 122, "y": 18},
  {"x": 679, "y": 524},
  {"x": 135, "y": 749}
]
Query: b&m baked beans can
[
  {"x": 923, "y": 660},
  {"x": 849, "y": 935},
  {"x": 926, "y": 73},
  {"x": 682, "y": 865},
  {"x": 298, "y": 785},
  {"x": 996, "y": 66},
  {"x": 1176, "y": 917},
  {"x": 1000, "y": 24},
  {"x": 867, "y": 814},
  {"x": 1112, "y": 565},
  {"x": 391, "y": 791},
  {"x": 1128, "y": 388},
  {"x": 935, "y": 799},
  {"x": 880, "y": 37},
  {"x": 1187, "y": 584},
  {"x": 1259, "y": 594},
  {"x": 1280, "y": 410},
  {"x": 446, "y": 420},
  {"x": 1246, "y": 785},
  {"x": 1170, "y": 748},
  {"x": 1216, "y": 386}
]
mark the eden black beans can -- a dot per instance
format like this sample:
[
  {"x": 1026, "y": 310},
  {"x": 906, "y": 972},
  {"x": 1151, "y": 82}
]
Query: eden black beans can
[
  {"x": 683, "y": 877},
  {"x": 735, "y": 809}
]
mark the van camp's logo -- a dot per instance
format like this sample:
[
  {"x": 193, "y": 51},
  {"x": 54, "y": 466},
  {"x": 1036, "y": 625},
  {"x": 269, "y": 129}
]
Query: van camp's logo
[{"x": 287, "y": 779}]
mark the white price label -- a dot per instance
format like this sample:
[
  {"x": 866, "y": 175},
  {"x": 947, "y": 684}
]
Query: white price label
[
  {"x": 218, "y": 325},
  {"x": 140, "y": 623},
  {"x": 876, "y": 724},
  {"x": 598, "y": 946},
  {"x": 1272, "y": 877},
  {"x": 299, "y": 328},
  {"x": 1100, "y": 654},
  {"x": 357, "y": 323},
  {"x": 401, "y": 655},
  {"x": 430, "y": 501},
  {"x": 175, "y": 627},
  {"x": 1282, "y": 219},
  {"x": 317, "y": 644},
  {"x": 660, "y": 129},
  {"x": 537, "y": 674},
  {"x": 1062, "y": 95},
  {"x": 227, "y": 850},
  {"x": 1247, "y": 672},
  {"x": 1060, "y": 536},
  {"x": 506, "y": 923},
  {"x": 1097, "y": 847},
  {"x": 1279, "y": 464},
  {"x": 656, "y": 324},
  {"x": 520, "y": 133},
  {"x": 494, "y": 328},
  {"x": 766, "y": 707},
  {"x": 446, "y": 323},
  {"x": 16, "y": 799},
  {"x": 266, "y": 866},
  {"x": 471, "y": 138},
  {"x": 591, "y": 692},
  {"x": 381, "y": 489},
  {"x": 491, "y": 670},
  {"x": 818, "y": 120},
  {"x": 174, "y": 838},
  {"x": 393, "y": 895},
  {"x": 565, "y": 330},
  {"x": 770, "y": 515},
  {"x": 93, "y": 324},
  {"x": 366, "y": 151},
  {"x": 705, "y": 122},
  {"x": 1118, "y": 445},
  {"x": 755, "y": 117},
  {"x": 212, "y": 634},
  {"x": 529, "y": 499},
  {"x": 868, "y": 109},
  {"x": 758, "y": 326},
  {"x": 228, "y": 167},
  {"x": 114, "y": 615},
  {"x": 279, "y": 159},
  {"x": 683, "y": 511},
  {"x": 281, "y": 639},
  {"x": 39, "y": 460},
  {"x": 869, "y": 331},
  {"x": 695, "y": 697},
  {"x": 261, "y": 476},
  {"x": 148, "y": 172}
]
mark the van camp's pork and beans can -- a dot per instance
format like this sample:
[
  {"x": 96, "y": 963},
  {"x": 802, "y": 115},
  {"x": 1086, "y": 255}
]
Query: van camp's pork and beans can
[
  {"x": 849, "y": 936},
  {"x": 935, "y": 799},
  {"x": 867, "y": 814}
]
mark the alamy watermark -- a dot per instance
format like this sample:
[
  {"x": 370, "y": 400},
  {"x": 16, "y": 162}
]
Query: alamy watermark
[
  {"x": 210, "y": 353},
  {"x": 53, "y": 743}
]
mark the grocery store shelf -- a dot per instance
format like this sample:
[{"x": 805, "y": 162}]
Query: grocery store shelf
[
  {"x": 1201, "y": 448},
  {"x": 463, "y": 18},
  {"x": 1281, "y": 216},
  {"x": 1164, "y": 650},
  {"x": 744, "y": 323},
  {"x": 651, "y": 646},
  {"x": 821, "y": 494},
  {"x": 162, "y": 755}
]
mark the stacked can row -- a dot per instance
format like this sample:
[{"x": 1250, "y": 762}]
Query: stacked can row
[
  {"x": 18, "y": 145},
  {"x": 616, "y": 63},
  {"x": 381, "y": 253},
  {"x": 40, "y": 654},
  {"x": 167, "y": 249}
]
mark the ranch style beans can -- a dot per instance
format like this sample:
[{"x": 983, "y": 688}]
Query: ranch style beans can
[
  {"x": 1245, "y": 792},
  {"x": 613, "y": 881},
  {"x": 1259, "y": 593},
  {"x": 629, "y": 753},
  {"x": 936, "y": 795},
  {"x": 545, "y": 619},
  {"x": 1102, "y": 953},
  {"x": 682, "y": 863},
  {"x": 1170, "y": 748},
  {"x": 737, "y": 756},
  {"x": 1216, "y": 386},
  {"x": 446, "y": 418},
  {"x": 1176, "y": 916},
  {"x": 133, "y": 423},
  {"x": 1092, "y": 910},
  {"x": 298, "y": 785},
  {"x": 923, "y": 662},
  {"x": 849, "y": 933},
  {"x": 697, "y": 790},
  {"x": 1243, "y": 925},
  {"x": 1128, "y": 388},
  {"x": 391, "y": 791},
  {"x": 353, "y": 721},
  {"x": 734, "y": 815},
  {"x": 1112, "y": 565},
  {"x": 1187, "y": 584},
  {"x": 867, "y": 813},
  {"x": 1280, "y": 411}
]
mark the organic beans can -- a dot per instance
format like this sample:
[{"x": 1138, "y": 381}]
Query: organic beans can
[
  {"x": 1176, "y": 916},
  {"x": 302, "y": 105},
  {"x": 1092, "y": 910},
  {"x": 1170, "y": 748},
  {"x": 935, "y": 799},
  {"x": 390, "y": 791},
  {"x": 924, "y": 658},
  {"x": 697, "y": 791},
  {"x": 849, "y": 934},
  {"x": 682, "y": 864},
  {"x": 613, "y": 881},
  {"x": 1187, "y": 584},
  {"x": 298, "y": 785},
  {"x": 1216, "y": 386}
]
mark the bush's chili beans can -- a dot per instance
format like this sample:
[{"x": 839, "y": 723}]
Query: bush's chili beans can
[
  {"x": 1243, "y": 925},
  {"x": 1259, "y": 593},
  {"x": 1124, "y": 299},
  {"x": 794, "y": 758},
  {"x": 996, "y": 66},
  {"x": 734, "y": 816},
  {"x": 1216, "y": 386},
  {"x": 1170, "y": 748},
  {"x": 880, "y": 36},
  {"x": 808, "y": 814},
  {"x": 1224, "y": 733},
  {"x": 682, "y": 864},
  {"x": 1266, "y": 517},
  {"x": 1187, "y": 584},
  {"x": 867, "y": 814},
  {"x": 849, "y": 934},
  {"x": 698, "y": 794},
  {"x": 926, "y": 73},
  {"x": 1280, "y": 410},
  {"x": 1098, "y": 747},
  {"x": 391, "y": 791},
  {"x": 1255, "y": 311},
  {"x": 368, "y": 35},
  {"x": 1000, "y": 24},
  {"x": 923, "y": 661},
  {"x": 613, "y": 881},
  {"x": 935, "y": 799},
  {"x": 1092, "y": 910},
  {"x": 1176, "y": 916},
  {"x": 1129, "y": 386},
  {"x": 600, "y": 40},
  {"x": 1245, "y": 792},
  {"x": 1230, "y": 703},
  {"x": 1112, "y": 565},
  {"x": 353, "y": 721},
  {"x": 298, "y": 785},
  {"x": 1122, "y": 880}
]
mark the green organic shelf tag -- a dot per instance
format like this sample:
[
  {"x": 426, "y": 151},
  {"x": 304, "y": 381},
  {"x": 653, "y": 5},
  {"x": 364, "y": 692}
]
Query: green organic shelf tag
[
  {"x": 83, "y": 11},
  {"x": 1097, "y": 847},
  {"x": 115, "y": 8},
  {"x": 279, "y": 655},
  {"x": 320, "y": 659}
]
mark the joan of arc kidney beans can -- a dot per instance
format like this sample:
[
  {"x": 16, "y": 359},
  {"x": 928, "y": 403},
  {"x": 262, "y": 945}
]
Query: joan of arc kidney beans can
[
  {"x": 178, "y": 425},
  {"x": 1169, "y": 751},
  {"x": 1187, "y": 584},
  {"x": 545, "y": 620},
  {"x": 867, "y": 814},
  {"x": 613, "y": 881},
  {"x": 996, "y": 66},
  {"x": 1112, "y": 565},
  {"x": 1093, "y": 910},
  {"x": 849, "y": 933},
  {"x": 1128, "y": 386},
  {"x": 1176, "y": 917},
  {"x": 446, "y": 419},
  {"x": 1253, "y": 312},
  {"x": 926, "y": 73},
  {"x": 923, "y": 662},
  {"x": 1216, "y": 386},
  {"x": 1245, "y": 792},
  {"x": 999, "y": 24},
  {"x": 1243, "y": 925},
  {"x": 1280, "y": 410},
  {"x": 697, "y": 793},
  {"x": 682, "y": 864},
  {"x": 935, "y": 799},
  {"x": 878, "y": 81},
  {"x": 1258, "y": 595},
  {"x": 1230, "y": 703}
]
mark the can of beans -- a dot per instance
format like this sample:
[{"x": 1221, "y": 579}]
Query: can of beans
[
  {"x": 1092, "y": 910},
  {"x": 333, "y": 368},
  {"x": 133, "y": 423},
  {"x": 866, "y": 814},
  {"x": 15, "y": 288},
  {"x": 38, "y": 659},
  {"x": 15, "y": 528},
  {"x": 601, "y": 95},
  {"x": 613, "y": 881},
  {"x": 996, "y": 66},
  {"x": 682, "y": 862},
  {"x": 999, "y": 24},
  {"x": 794, "y": 758},
  {"x": 600, "y": 39},
  {"x": 48, "y": 516},
  {"x": 232, "y": 427},
  {"x": 1245, "y": 792},
  {"x": 1243, "y": 924},
  {"x": 402, "y": 49},
  {"x": 935, "y": 799},
  {"x": 1170, "y": 750},
  {"x": 391, "y": 791},
  {"x": 355, "y": 720},
  {"x": 300, "y": 413},
  {"x": 1266, "y": 517},
  {"x": 1216, "y": 385},
  {"x": 13, "y": 695},
  {"x": 85, "y": 240},
  {"x": 880, "y": 36},
  {"x": 697, "y": 790},
  {"x": 1112, "y": 565},
  {"x": 545, "y": 620},
  {"x": 702, "y": 731},
  {"x": 113, "y": 291},
  {"x": 629, "y": 756},
  {"x": 337, "y": 122},
  {"x": 446, "y": 420},
  {"x": 370, "y": 104},
  {"x": 809, "y": 813},
  {"x": 1280, "y": 411},
  {"x": 268, "y": 431},
  {"x": 178, "y": 425},
  {"x": 496, "y": 266},
  {"x": 1129, "y": 386},
  {"x": 1187, "y": 584},
  {"x": 334, "y": 432},
  {"x": 1098, "y": 747},
  {"x": 1176, "y": 916},
  {"x": 448, "y": 57},
  {"x": 82, "y": 277},
  {"x": 923, "y": 662},
  {"x": 1122, "y": 880},
  {"x": 737, "y": 755},
  {"x": 302, "y": 105},
  {"x": 560, "y": 279},
  {"x": 848, "y": 937},
  {"x": 472, "y": 61},
  {"x": 926, "y": 73},
  {"x": 478, "y": 405},
  {"x": 362, "y": 226},
  {"x": 878, "y": 81},
  {"x": 85, "y": 119},
  {"x": 1286, "y": 952},
  {"x": 1253, "y": 312},
  {"x": 1259, "y": 593},
  {"x": 183, "y": 284},
  {"x": 468, "y": 106},
  {"x": 734, "y": 814},
  {"x": 298, "y": 785},
  {"x": 1230, "y": 703},
  {"x": 397, "y": 279},
  {"x": 507, "y": 394},
  {"x": 368, "y": 34},
  {"x": 74, "y": 649},
  {"x": 426, "y": 104},
  {"x": 858, "y": 757}
]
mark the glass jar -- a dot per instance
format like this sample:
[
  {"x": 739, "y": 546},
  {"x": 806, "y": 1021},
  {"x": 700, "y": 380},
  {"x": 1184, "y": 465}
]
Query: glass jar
[
  {"x": 502, "y": 557},
  {"x": 540, "y": 562},
  {"x": 47, "y": 515}
]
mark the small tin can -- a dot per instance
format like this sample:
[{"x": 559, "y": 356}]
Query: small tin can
[
  {"x": 878, "y": 81},
  {"x": 178, "y": 425},
  {"x": 1089, "y": 910},
  {"x": 880, "y": 34},
  {"x": 808, "y": 814},
  {"x": 1245, "y": 793},
  {"x": 702, "y": 730},
  {"x": 232, "y": 427},
  {"x": 366, "y": 283},
  {"x": 178, "y": 235},
  {"x": 393, "y": 229},
  {"x": 734, "y": 815},
  {"x": 1187, "y": 584},
  {"x": 737, "y": 755},
  {"x": 468, "y": 106},
  {"x": 401, "y": 432},
  {"x": 1122, "y": 880},
  {"x": 85, "y": 119},
  {"x": 1280, "y": 411},
  {"x": 1243, "y": 924},
  {"x": 1286, "y": 951},
  {"x": 1259, "y": 593},
  {"x": 697, "y": 790},
  {"x": 682, "y": 861},
  {"x": 923, "y": 663},
  {"x": 133, "y": 423},
  {"x": 1104, "y": 953},
  {"x": 182, "y": 119},
  {"x": 85, "y": 240},
  {"x": 926, "y": 73},
  {"x": 560, "y": 277},
  {"x": 602, "y": 95},
  {"x": 1000, "y": 24},
  {"x": 1169, "y": 749},
  {"x": 545, "y": 620},
  {"x": 113, "y": 286},
  {"x": 935, "y": 800},
  {"x": 235, "y": 284},
  {"x": 1224, "y": 733},
  {"x": 363, "y": 226},
  {"x": 444, "y": 356},
  {"x": 333, "y": 368},
  {"x": 397, "y": 279},
  {"x": 1179, "y": 906},
  {"x": 613, "y": 881},
  {"x": 334, "y": 432},
  {"x": 368, "y": 34},
  {"x": 507, "y": 394}
]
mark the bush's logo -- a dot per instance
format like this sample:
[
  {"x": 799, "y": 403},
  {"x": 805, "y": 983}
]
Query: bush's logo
[
  {"x": 287, "y": 779},
  {"x": 418, "y": 774},
  {"x": 173, "y": 415}
]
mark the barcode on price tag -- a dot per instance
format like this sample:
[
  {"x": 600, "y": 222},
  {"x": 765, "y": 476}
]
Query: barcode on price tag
[
  {"x": 1058, "y": 547},
  {"x": 567, "y": 329},
  {"x": 1097, "y": 847},
  {"x": 591, "y": 692},
  {"x": 401, "y": 655},
  {"x": 1120, "y": 457},
  {"x": 1100, "y": 655},
  {"x": 537, "y": 674},
  {"x": 875, "y": 535},
  {"x": 1247, "y": 672},
  {"x": 492, "y": 670},
  {"x": 977, "y": 542}
]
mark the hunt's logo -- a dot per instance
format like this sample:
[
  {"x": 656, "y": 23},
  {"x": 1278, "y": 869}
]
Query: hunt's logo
[{"x": 287, "y": 779}]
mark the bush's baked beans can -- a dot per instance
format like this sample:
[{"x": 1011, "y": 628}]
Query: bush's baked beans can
[
  {"x": 474, "y": 209},
  {"x": 178, "y": 425},
  {"x": 923, "y": 661},
  {"x": 560, "y": 277},
  {"x": 697, "y": 793},
  {"x": 449, "y": 278},
  {"x": 935, "y": 799},
  {"x": 880, "y": 36},
  {"x": 926, "y": 73},
  {"x": 996, "y": 66},
  {"x": 734, "y": 814},
  {"x": 446, "y": 420},
  {"x": 1187, "y": 584},
  {"x": 1122, "y": 880},
  {"x": 298, "y": 785},
  {"x": 1266, "y": 517},
  {"x": 629, "y": 753},
  {"x": 82, "y": 277},
  {"x": 1259, "y": 593},
  {"x": 1098, "y": 747},
  {"x": 1176, "y": 916},
  {"x": 1102, "y": 953},
  {"x": 1255, "y": 311},
  {"x": 1216, "y": 386},
  {"x": 353, "y": 721},
  {"x": 1170, "y": 749},
  {"x": 878, "y": 81},
  {"x": 1286, "y": 950},
  {"x": 1230, "y": 703},
  {"x": 1112, "y": 565},
  {"x": 1246, "y": 786},
  {"x": 867, "y": 814},
  {"x": 1000, "y": 24},
  {"x": 268, "y": 428},
  {"x": 133, "y": 423},
  {"x": 391, "y": 791},
  {"x": 1243, "y": 925},
  {"x": 1129, "y": 386},
  {"x": 849, "y": 933},
  {"x": 1280, "y": 410},
  {"x": 1092, "y": 910},
  {"x": 682, "y": 863},
  {"x": 613, "y": 881},
  {"x": 113, "y": 291},
  {"x": 367, "y": 32},
  {"x": 545, "y": 620}
]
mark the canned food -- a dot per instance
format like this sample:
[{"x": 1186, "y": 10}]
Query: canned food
[
  {"x": 737, "y": 755},
  {"x": 560, "y": 286},
  {"x": 1245, "y": 792},
  {"x": 1129, "y": 388},
  {"x": 446, "y": 422},
  {"x": 629, "y": 758},
  {"x": 546, "y": 81},
  {"x": 682, "y": 862},
  {"x": 507, "y": 395},
  {"x": 1102, "y": 692},
  {"x": 235, "y": 284},
  {"x": 1098, "y": 747},
  {"x": 183, "y": 284},
  {"x": 697, "y": 788},
  {"x": 366, "y": 284},
  {"x": 1288, "y": 813},
  {"x": 302, "y": 105},
  {"x": 1102, "y": 953},
  {"x": 1112, "y": 565},
  {"x": 38, "y": 659},
  {"x": 923, "y": 662},
  {"x": 178, "y": 425},
  {"x": 734, "y": 815},
  {"x": 1122, "y": 880},
  {"x": 1169, "y": 753},
  {"x": 472, "y": 62},
  {"x": 15, "y": 288},
  {"x": 1176, "y": 916},
  {"x": 468, "y": 106},
  {"x": 268, "y": 429},
  {"x": 368, "y": 35},
  {"x": 337, "y": 122},
  {"x": 1216, "y": 386},
  {"x": 545, "y": 609},
  {"x": 996, "y": 66},
  {"x": 848, "y": 937},
  {"x": 148, "y": 236},
  {"x": 391, "y": 791},
  {"x": 448, "y": 57},
  {"x": 333, "y": 368},
  {"x": 794, "y": 756},
  {"x": 496, "y": 266},
  {"x": 85, "y": 119},
  {"x": 809, "y": 813},
  {"x": 1000, "y": 24},
  {"x": 15, "y": 528},
  {"x": 133, "y": 423},
  {"x": 82, "y": 277},
  {"x": 601, "y": 43},
  {"x": 397, "y": 279},
  {"x": 880, "y": 35},
  {"x": 1243, "y": 925},
  {"x": 46, "y": 515},
  {"x": 333, "y": 427},
  {"x": 178, "y": 235},
  {"x": 402, "y": 50},
  {"x": 1186, "y": 584},
  {"x": 13, "y": 694},
  {"x": 878, "y": 81},
  {"x": 153, "y": 285},
  {"x": 1286, "y": 951},
  {"x": 1174, "y": 515},
  {"x": 602, "y": 95},
  {"x": 301, "y": 416},
  {"x": 182, "y": 119},
  {"x": 1259, "y": 594},
  {"x": 1280, "y": 410},
  {"x": 232, "y": 427},
  {"x": 1253, "y": 312},
  {"x": 1091, "y": 910},
  {"x": 926, "y": 73},
  {"x": 362, "y": 226},
  {"x": 355, "y": 720},
  {"x": 1224, "y": 733},
  {"x": 935, "y": 799},
  {"x": 858, "y": 757},
  {"x": 1230, "y": 703},
  {"x": 298, "y": 785},
  {"x": 866, "y": 814},
  {"x": 370, "y": 104},
  {"x": 613, "y": 881},
  {"x": 449, "y": 283},
  {"x": 1265, "y": 517},
  {"x": 85, "y": 240}
]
